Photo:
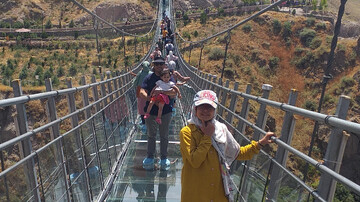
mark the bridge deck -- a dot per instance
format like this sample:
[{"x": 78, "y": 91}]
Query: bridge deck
[{"x": 134, "y": 183}]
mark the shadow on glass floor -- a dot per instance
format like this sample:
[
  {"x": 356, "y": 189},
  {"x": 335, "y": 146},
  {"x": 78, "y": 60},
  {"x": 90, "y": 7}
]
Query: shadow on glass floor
[{"x": 134, "y": 183}]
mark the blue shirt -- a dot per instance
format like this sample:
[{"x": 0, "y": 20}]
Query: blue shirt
[{"x": 148, "y": 84}]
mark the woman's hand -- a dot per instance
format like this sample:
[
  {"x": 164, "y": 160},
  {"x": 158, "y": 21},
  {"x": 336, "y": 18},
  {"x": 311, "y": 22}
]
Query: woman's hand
[
  {"x": 266, "y": 139},
  {"x": 208, "y": 128}
]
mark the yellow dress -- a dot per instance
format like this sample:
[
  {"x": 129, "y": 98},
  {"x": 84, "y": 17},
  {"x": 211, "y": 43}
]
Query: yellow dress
[{"x": 200, "y": 177}]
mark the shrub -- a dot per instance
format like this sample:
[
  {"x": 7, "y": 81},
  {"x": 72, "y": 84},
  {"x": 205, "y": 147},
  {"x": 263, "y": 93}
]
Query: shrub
[
  {"x": 195, "y": 33},
  {"x": 287, "y": 30},
  {"x": 310, "y": 105},
  {"x": 298, "y": 51},
  {"x": 71, "y": 24},
  {"x": 273, "y": 62},
  {"x": 310, "y": 22},
  {"x": 76, "y": 35},
  {"x": 293, "y": 12},
  {"x": 305, "y": 61},
  {"x": 47, "y": 74},
  {"x": 203, "y": 18},
  {"x": 48, "y": 24},
  {"x": 60, "y": 71},
  {"x": 186, "y": 19},
  {"x": 320, "y": 26},
  {"x": 216, "y": 54},
  {"x": 347, "y": 82},
  {"x": 72, "y": 70},
  {"x": 229, "y": 72},
  {"x": 315, "y": 43},
  {"x": 221, "y": 11},
  {"x": 94, "y": 71},
  {"x": 276, "y": 26},
  {"x": 246, "y": 28},
  {"x": 24, "y": 73},
  {"x": 306, "y": 36}
]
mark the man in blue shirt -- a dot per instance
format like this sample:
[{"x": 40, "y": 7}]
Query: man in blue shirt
[{"x": 152, "y": 126}]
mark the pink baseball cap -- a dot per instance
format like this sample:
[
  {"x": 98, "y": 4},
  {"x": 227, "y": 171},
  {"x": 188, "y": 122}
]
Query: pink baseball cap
[{"x": 206, "y": 97}]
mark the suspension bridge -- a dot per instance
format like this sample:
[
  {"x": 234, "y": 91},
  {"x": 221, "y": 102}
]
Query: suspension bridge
[{"x": 100, "y": 157}]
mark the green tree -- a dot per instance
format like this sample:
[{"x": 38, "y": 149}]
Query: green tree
[
  {"x": 24, "y": 73},
  {"x": 72, "y": 70},
  {"x": 60, "y": 71},
  {"x": 72, "y": 24},
  {"x": 276, "y": 26},
  {"x": 287, "y": 29},
  {"x": 203, "y": 18},
  {"x": 314, "y": 4},
  {"x": 186, "y": 19},
  {"x": 48, "y": 24}
]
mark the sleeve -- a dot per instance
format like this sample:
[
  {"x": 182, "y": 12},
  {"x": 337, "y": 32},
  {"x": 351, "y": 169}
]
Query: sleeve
[
  {"x": 171, "y": 84},
  {"x": 145, "y": 84},
  {"x": 158, "y": 82},
  {"x": 195, "y": 154},
  {"x": 248, "y": 151}
]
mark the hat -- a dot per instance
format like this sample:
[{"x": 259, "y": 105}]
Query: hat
[
  {"x": 158, "y": 60},
  {"x": 206, "y": 97}
]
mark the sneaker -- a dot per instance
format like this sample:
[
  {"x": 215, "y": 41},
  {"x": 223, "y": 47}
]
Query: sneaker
[
  {"x": 143, "y": 128},
  {"x": 158, "y": 120},
  {"x": 164, "y": 164},
  {"x": 148, "y": 163},
  {"x": 147, "y": 115}
]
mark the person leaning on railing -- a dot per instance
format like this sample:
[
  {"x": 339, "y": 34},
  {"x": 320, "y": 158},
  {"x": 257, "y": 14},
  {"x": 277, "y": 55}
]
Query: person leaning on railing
[{"x": 208, "y": 149}]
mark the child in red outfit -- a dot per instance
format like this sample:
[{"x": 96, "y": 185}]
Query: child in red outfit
[{"x": 159, "y": 98}]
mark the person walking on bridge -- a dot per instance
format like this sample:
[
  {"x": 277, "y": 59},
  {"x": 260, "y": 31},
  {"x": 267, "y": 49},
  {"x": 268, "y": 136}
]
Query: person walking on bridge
[
  {"x": 208, "y": 149},
  {"x": 138, "y": 82},
  {"x": 151, "y": 124}
]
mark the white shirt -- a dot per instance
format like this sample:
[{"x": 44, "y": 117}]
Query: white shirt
[{"x": 164, "y": 86}]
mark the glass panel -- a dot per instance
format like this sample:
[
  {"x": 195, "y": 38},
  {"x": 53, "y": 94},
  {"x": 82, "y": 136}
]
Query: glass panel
[
  {"x": 52, "y": 173},
  {"x": 255, "y": 175},
  {"x": 88, "y": 136},
  {"x": 17, "y": 182},
  {"x": 101, "y": 141},
  {"x": 4, "y": 189},
  {"x": 78, "y": 187},
  {"x": 288, "y": 188},
  {"x": 72, "y": 153},
  {"x": 94, "y": 176}
]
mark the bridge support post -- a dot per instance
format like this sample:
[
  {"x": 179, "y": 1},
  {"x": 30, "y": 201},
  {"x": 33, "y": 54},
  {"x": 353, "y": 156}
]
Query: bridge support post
[
  {"x": 222, "y": 95},
  {"x": 262, "y": 115},
  {"x": 334, "y": 152},
  {"x": 55, "y": 133},
  {"x": 95, "y": 93},
  {"x": 25, "y": 146},
  {"x": 244, "y": 111},
  {"x": 260, "y": 122},
  {"x": 85, "y": 98},
  {"x": 204, "y": 83},
  {"x": 234, "y": 99},
  {"x": 282, "y": 154},
  {"x": 218, "y": 90},
  {"x": 78, "y": 139}
]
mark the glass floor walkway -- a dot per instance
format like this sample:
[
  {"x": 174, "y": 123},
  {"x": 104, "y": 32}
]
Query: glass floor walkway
[{"x": 134, "y": 183}]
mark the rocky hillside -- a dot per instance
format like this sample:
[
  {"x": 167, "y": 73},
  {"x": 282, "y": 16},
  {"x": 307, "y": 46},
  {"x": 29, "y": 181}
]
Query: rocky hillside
[{"x": 60, "y": 12}]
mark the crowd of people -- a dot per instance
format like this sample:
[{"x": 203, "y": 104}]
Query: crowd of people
[{"x": 207, "y": 146}]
